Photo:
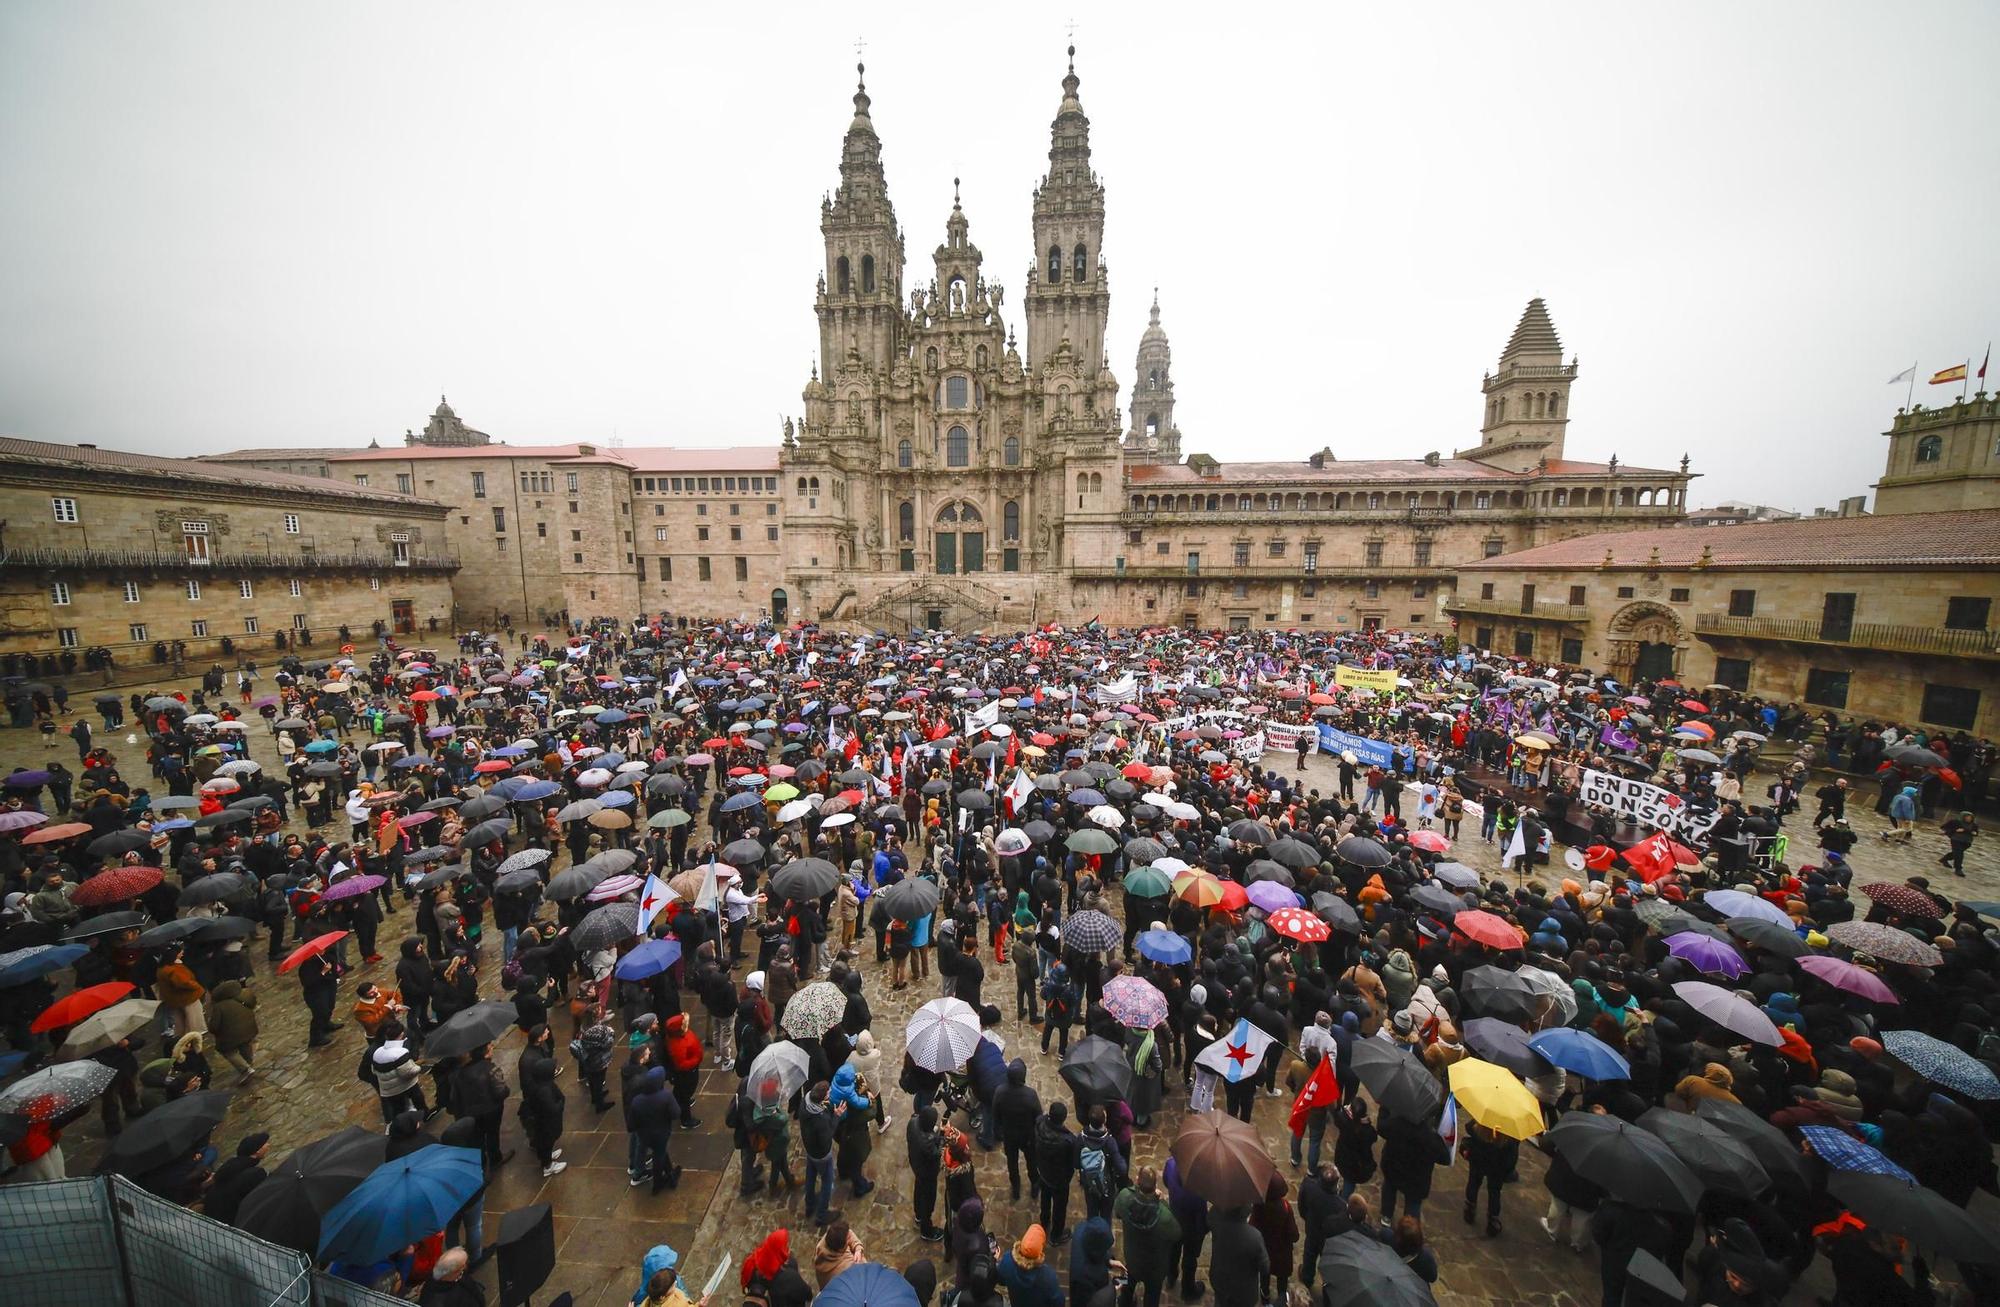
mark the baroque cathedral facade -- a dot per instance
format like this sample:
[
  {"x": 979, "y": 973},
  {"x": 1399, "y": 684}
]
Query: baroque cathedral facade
[{"x": 948, "y": 474}]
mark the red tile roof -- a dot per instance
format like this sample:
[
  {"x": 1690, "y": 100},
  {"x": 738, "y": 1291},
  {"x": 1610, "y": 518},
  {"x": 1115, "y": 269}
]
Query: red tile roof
[
  {"x": 406, "y": 453},
  {"x": 1384, "y": 470},
  {"x": 1968, "y": 538},
  {"x": 89, "y": 458}
]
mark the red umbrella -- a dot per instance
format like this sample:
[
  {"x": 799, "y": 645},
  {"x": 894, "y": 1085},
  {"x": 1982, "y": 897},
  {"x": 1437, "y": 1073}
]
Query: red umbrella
[
  {"x": 425, "y": 696},
  {"x": 1137, "y": 771},
  {"x": 75, "y": 1006},
  {"x": 1694, "y": 705},
  {"x": 50, "y": 834},
  {"x": 1904, "y": 900},
  {"x": 115, "y": 886},
  {"x": 1234, "y": 896},
  {"x": 312, "y": 948},
  {"x": 1430, "y": 840},
  {"x": 493, "y": 765},
  {"x": 1298, "y": 924},
  {"x": 1485, "y": 928},
  {"x": 715, "y": 742}
]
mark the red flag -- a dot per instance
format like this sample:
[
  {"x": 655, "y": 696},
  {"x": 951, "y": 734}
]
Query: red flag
[
  {"x": 1652, "y": 857},
  {"x": 1321, "y": 1090},
  {"x": 1983, "y": 362}
]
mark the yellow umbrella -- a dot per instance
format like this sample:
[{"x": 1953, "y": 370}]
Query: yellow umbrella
[
  {"x": 1495, "y": 1098},
  {"x": 1531, "y": 742},
  {"x": 1201, "y": 888}
]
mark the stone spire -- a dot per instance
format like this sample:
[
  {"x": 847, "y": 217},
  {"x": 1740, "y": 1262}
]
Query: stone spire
[
  {"x": 1527, "y": 400},
  {"x": 1535, "y": 334},
  {"x": 1153, "y": 438},
  {"x": 1068, "y": 291}
]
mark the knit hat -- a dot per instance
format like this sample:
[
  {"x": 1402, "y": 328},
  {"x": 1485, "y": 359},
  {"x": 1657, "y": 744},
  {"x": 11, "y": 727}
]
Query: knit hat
[
  {"x": 754, "y": 982},
  {"x": 1029, "y": 1249},
  {"x": 637, "y": 1039}
]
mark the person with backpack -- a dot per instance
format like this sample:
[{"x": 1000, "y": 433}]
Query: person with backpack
[
  {"x": 1059, "y": 1003},
  {"x": 1100, "y": 1167},
  {"x": 1017, "y": 1108},
  {"x": 817, "y": 1122},
  {"x": 592, "y": 1049},
  {"x": 1152, "y": 1235},
  {"x": 1055, "y": 1166},
  {"x": 854, "y": 1139},
  {"x": 741, "y": 1119}
]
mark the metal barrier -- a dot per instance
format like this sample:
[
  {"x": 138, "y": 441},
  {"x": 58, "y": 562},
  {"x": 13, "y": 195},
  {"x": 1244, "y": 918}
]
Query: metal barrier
[{"x": 105, "y": 1241}]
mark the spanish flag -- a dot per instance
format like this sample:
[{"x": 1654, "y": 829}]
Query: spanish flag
[{"x": 1948, "y": 375}]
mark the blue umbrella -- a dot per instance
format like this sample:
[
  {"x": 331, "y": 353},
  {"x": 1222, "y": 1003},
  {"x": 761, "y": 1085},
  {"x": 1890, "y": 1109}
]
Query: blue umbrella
[
  {"x": 1581, "y": 1052},
  {"x": 508, "y": 786},
  {"x": 11, "y": 1062},
  {"x": 36, "y": 960},
  {"x": 867, "y": 1284},
  {"x": 171, "y": 825},
  {"x": 399, "y": 1203},
  {"x": 1086, "y": 798},
  {"x": 1843, "y": 1152},
  {"x": 533, "y": 790},
  {"x": 1165, "y": 946},
  {"x": 321, "y": 746},
  {"x": 510, "y": 751},
  {"x": 738, "y": 802},
  {"x": 649, "y": 959},
  {"x": 613, "y": 716},
  {"x": 619, "y": 799},
  {"x": 1942, "y": 1063}
]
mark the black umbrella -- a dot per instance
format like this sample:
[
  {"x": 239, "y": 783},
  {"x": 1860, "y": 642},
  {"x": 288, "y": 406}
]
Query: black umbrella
[
  {"x": 1250, "y": 832},
  {"x": 216, "y": 929},
  {"x": 974, "y": 800},
  {"x": 486, "y": 832},
  {"x": 1719, "y": 1160},
  {"x": 1267, "y": 869},
  {"x": 1144, "y": 851},
  {"x": 1630, "y": 1164},
  {"x": 744, "y": 853},
  {"x": 1438, "y": 899},
  {"x": 482, "y": 807},
  {"x": 226, "y": 817},
  {"x": 436, "y": 878},
  {"x": 1770, "y": 1145},
  {"x": 931, "y": 788},
  {"x": 911, "y": 899},
  {"x": 1923, "y": 1216},
  {"x": 1767, "y": 935},
  {"x": 118, "y": 843},
  {"x": 323, "y": 769},
  {"x": 518, "y": 880},
  {"x": 606, "y": 926},
  {"x": 805, "y": 878},
  {"x": 105, "y": 924},
  {"x": 286, "y": 1208},
  {"x": 1040, "y": 832},
  {"x": 167, "y": 1133},
  {"x": 216, "y": 888},
  {"x": 1360, "y": 1270},
  {"x": 1506, "y": 1044},
  {"x": 475, "y": 1027},
  {"x": 1296, "y": 854},
  {"x": 1400, "y": 1083},
  {"x": 1097, "y": 1070},
  {"x": 1363, "y": 852},
  {"x": 573, "y": 883},
  {"x": 1336, "y": 912},
  {"x": 1494, "y": 992},
  {"x": 172, "y": 932}
]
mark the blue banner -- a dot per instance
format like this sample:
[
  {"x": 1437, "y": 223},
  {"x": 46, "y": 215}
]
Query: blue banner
[{"x": 1372, "y": 752}]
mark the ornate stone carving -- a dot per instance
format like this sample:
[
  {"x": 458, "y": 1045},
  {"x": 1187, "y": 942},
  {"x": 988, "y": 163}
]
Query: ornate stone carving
[{"x": 168, "y": 520}]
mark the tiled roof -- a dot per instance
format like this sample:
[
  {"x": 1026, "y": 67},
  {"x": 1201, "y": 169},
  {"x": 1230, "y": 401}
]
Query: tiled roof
[
  {"x": 1968, "y": 538},
  {"x": 408, "y": 453},
  {"x": 732, "y": 458},
  {"x": 90, "y": 459},
  {"x": 273, "y": 455},
  {"x": 1384, "y": 470},
  {"x": 1534, "y": 334}
]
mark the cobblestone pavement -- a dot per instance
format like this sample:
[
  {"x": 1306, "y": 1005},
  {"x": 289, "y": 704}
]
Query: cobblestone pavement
[{"x": 603, "y": 1226}]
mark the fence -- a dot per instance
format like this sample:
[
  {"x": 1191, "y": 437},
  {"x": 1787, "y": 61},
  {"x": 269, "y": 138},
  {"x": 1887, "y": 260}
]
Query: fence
[{"x": 105, "y": 1241}]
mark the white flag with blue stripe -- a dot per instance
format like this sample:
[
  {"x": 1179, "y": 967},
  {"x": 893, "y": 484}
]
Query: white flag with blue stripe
[{"x": 1238, "y": 1055}]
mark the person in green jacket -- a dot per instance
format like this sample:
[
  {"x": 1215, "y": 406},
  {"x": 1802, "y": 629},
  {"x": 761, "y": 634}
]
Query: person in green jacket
[{"x": 1152, "y": 1234}]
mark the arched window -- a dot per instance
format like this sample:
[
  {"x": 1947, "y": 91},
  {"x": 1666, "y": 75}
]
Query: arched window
[
  {"x": 814, "y": 483},
  {"x": 904, "y": 457},
  {"x": 957, "y": 448},
  {"x": 1010, "y": 520},
  {"x": 1010, "y": 452},
  {"x": 1375, "y": 499},
  {"x": 1080, "y": 264},
  {"x": 1152, "y": 425},
  {"x": 968, "y": 512},
  {"x": 1082, "y": 483},
  {"x": 979, "y": 358},
  {"x": 956, "y": 392},
  {"x": 948, "y": 515},
  {"x": 1482, "y": 500},
  {"x": 1930, "y": 449},
  {"x": 840, "y": 275},
  {"x": 868, "y": 274},
  {"x": 802, "y": 485},
  {"x": 1155, "y": 375},
  {"x": 930, "y": 359},
  {"x": 1055, "y": 264},
  {"x": 906, "y": 521},
  {"x": 1096, "y": 483},
  {"x": 1562, "y": 498},
  {"x": 1555, "y": 405}
]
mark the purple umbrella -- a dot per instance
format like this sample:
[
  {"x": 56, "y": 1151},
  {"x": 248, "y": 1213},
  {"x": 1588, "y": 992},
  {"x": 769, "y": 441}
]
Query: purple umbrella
[
  {"x": 1711, "y": 955},
  {"x": 27, "y": 780},
  {"x": 439, "y": 732},
  {"x": 353, "y": 887},
  {"x": 1272, "y": 896},
  {"x": 21, "y": 820},
  {"x": 1842, "y": 974}
]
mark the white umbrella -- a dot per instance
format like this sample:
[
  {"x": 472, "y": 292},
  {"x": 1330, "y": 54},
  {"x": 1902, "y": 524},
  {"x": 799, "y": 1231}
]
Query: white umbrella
[
  {"x": 1106, "y": 815},
  {"x": 942, "y": 1034},
  {"x": 1172, "y": 866},
  {"x": 779, "y": 1072},
  {"x": 1013, "y": 840},
  {"x": 794, "y": 810},
  {"x": 594, "y": 776},
  {"x": 1725, "y": 1009},
  {"x": 837, "y": 819}
]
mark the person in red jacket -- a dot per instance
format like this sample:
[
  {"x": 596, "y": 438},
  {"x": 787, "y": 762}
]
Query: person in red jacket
[{"x": 684, "y": 1053}]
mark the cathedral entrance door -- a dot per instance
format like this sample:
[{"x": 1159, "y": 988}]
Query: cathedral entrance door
[
  {"x": 934, "y": 619},
  {"x": 1654, "y": 661},
  {"x": 780, "y": 606}
]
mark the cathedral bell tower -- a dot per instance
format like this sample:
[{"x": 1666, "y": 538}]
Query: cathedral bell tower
[
  {"x": 1527, "y": 400},
  {"x": 861, "y": 290},
  {"x": 1068, "y": 290},
  {"x": 1153, "y": 438}
]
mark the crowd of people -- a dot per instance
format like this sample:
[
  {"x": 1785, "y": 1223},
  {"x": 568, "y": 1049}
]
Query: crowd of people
[{"x": 661, "y": 849}]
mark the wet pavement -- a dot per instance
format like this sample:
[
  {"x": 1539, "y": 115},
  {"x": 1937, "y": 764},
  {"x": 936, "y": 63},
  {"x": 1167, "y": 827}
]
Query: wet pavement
[{"x": 604, "y": 1226}]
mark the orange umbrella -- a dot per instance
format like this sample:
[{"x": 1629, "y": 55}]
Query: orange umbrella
[
  {"x": 1201, "y": 888},
  {"x": 78, "y": 1004},
  {"x": 69, "y": 830}
]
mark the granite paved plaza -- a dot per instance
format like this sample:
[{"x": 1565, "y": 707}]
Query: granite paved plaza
[{"x": 603, "y": 1226}]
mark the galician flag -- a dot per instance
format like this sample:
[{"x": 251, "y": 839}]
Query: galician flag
[
  {"x": 1238, "y": 1055},
  {"x": 1448, "y": 1127},
  {"x": 655, "y": 897}
]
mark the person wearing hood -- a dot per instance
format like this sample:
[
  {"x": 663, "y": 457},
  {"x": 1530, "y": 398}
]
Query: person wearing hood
[
  {"x": 1275, "y": 1220},
  {"x": 235, "y": 1178},
  {"x": 658, "y": 1258},
  {"x": 1322, "y": 1215},
  {"x": 1018, "y": 1109},
  {"x": 853, "y": 1136},
  {"x": 232, "y": 1019},
  {"x": 1240, "y": 1256},
  {"x": 683, "y": 1063},
  {"x": 925, "y": 1147},
  {"x": 771, "y": 1273},
  {"x": 653, "y": 1112},
  {"x": 1399, "y": 979},
  {"x": 1025, "y": 1272},
  {"x": 542, "y": 1100},
  {"x": 1055, "y": 1166},
  {"x": 1190, "y": 1209},
  {"x": 1715, "y": 1081},
  {"x": 398, "y": 1078},
  {"x": 818, "y": 1120},
  {"x": 1091, "y": 1265},
  {"x": 969, "y": 1241},
  {"x": 1152, "y": 1234}
]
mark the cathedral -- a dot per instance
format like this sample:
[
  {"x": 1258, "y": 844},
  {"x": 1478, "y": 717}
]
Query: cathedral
[{"x": 946, "y": 474}]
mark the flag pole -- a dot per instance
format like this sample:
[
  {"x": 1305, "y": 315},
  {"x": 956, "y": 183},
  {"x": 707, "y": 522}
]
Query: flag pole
[
  {"x": 1965, "y": 380},
  {"x": 1909, "y": 401}
]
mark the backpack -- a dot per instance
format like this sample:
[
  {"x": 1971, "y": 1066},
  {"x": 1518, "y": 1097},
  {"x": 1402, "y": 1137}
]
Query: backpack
[{"x": 1093, "y": 1165}]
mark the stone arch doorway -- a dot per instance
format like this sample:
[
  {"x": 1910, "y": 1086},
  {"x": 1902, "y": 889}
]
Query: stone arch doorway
[
  {"x": 781, "y": 605},
  {"x": 1645, "y": 640}
]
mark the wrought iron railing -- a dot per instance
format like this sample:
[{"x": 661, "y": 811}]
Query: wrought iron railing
[
  {"x": 144, "y": 560},
  {"x": 1861, "y": 635}
]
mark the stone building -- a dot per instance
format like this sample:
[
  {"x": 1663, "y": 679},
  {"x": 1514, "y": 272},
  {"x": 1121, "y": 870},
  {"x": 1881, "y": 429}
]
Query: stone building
[
  {"x": 1943, "y": 458},
  {"x": 303, "y": 462},
  {"x": 941, "y": 476},
  {"x": 710, "y": 531},
  {"x": 1889, "y": 616},
  {"x": 107, "y": 549}
]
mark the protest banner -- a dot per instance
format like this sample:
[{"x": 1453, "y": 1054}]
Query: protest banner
[
  {"x": 1646, "y": 804},
  {"x": 1373, "y": 753},
  {"x": 1284, "y": 737},
  {"x": 1356, "y": 678}
]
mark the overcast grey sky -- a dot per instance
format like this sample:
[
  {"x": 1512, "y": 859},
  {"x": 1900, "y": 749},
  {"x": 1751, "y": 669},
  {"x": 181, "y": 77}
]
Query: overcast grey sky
[{"x": 234, "y": 224}]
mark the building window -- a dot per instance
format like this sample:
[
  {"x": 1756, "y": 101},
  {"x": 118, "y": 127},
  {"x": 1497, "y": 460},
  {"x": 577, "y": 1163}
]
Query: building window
[
  {"x": 1010, "y": 520},
  {"x": 1483, "y": 636},
  {"x": 59, "y": 592},
  {"x": 136, "y": 631},
  {"x": 1312, "y": 556},
  {"x": 573, "y": 506},
  {"x": 1371, "y": 590},
  {"x": 65, "y": 508},
  {"x": 1010, "y": 560},
  {"x": 957, "y": 448},
  {"x": 249, "y": 626},
  {"x": 1420, "y": 553},
  {"x": 1953, "y": 706},
  {"x": 296, "y": 587},
  {"x": 1419, "y": 590},
  {"x": 1572, "y": 651},
  {"x": 660, "y": 534},
  {"x": 1371, "y": 553},
  {"x": 954, "y": 392},
  {"x": 703, "y": 569},
  {"x": 576, "y": 537},
  {"x": 194, "y": 539},
  {"x": 360, "y": 479},
  {"x": 666, "y": 569},
  {"x": 298, "y": 621},
  {"x": 1966, "y": 613},
  {"x": 291, "y": 524},
  {"x": 198, "y": 628},
  {"x": 1240, "y": 590},
  {"x": 542, "y": 530},
  {"x": 770, "y": 533},
  {"x": 906, "y": 560},
  {"x": 1492, "y": 549},
  {"x": 701, "y": 510},
  {"x": 1193, "y": 562},
  {"x": 194, "y": 590},
  {"x": 499, "y": 519},
  {"x": 374, "y": 583},
  {"x": 246, "y": 590},
  {"x": 570, "y": 482},
  {"x": 479, "y": 485},
  {"x": 1241, "y": 555},
  {"x": 905, "y": 455},
  {"x": 1930, "y": 449},
  {"x": 1678, "y": 595},
  {"x": 1524, "y": 644},
  {"x": 402, "y": 483},
  {"x": 1482, "y": 500},
  {"x": 770, "y": 510},
  {"x": 701, "y": 533},
  {"x": 1010, "y": 451},
  {"x": 1827, "y": 686},
  {"x": 131, "y": 592},
  {"x": 1625, "y": 592},
  {"x": 1276, "y": 548},
  {"x": 1742, "y": 603},
  {"x": 66, "y": 637},
  {"x": 743, "y": 569},
  {"x": 576, "y": 557},
  {"x": 735, "y": 533},
  {"x": 1733, "y": 672},
  {"x": 1578, "y": 596}
]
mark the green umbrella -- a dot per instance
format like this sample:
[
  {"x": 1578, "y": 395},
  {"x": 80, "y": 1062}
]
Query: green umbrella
[
  {"x": 1148, "y": 883},
  {"x": 1091, "y": 841},
  {"x": 668, "y": 818}
]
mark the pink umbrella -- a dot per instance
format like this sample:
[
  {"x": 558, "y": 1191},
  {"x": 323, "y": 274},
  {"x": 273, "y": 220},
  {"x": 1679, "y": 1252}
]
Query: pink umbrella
[
  {"x": 1430, "y": 841},
  {"x": 700, "y": 759},
  {"x": 413, "y": 819},
  {"x": 1842, "y": 974},
  {"x": 615, "y": 887}
]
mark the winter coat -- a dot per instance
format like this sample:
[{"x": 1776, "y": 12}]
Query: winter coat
[
  {"x": 653, "y": 1110},
  {"x": 175, "y": 986},
  {"x": 478, "y": 1088},
  {"x": 1410, "y": 1152},
  {"x": 1240, "y": 1248},
  {"x": 232, "y": 1016},
  {"x": 541, "y": 1099},
  {"x": 1017, "y": 1107},
  {"x": 395, "y": 1069},
  {"x": 1055, "y": 1153},
  {"x": 1152, "y": 1233}
]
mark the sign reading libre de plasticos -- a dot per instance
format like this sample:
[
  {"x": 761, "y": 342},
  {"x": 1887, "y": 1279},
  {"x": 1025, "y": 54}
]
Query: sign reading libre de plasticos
[{"x": 1647, "y": 804}]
